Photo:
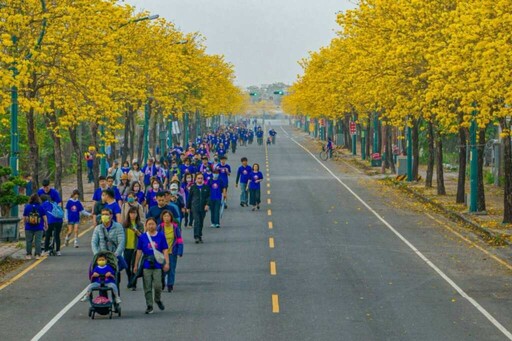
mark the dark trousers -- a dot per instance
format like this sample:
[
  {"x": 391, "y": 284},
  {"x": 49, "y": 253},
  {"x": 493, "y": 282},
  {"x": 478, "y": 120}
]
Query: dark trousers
[
  {"x": 198, "y": 222},
  {"x": 53, "y": 231},
  {"x": 129, "y": 257},
  {"x": 215, "y": 211},
  {"x": 189, "y": 219},
  {"x": 254, "y": 195},
  {"x": 90, "y": 175}
]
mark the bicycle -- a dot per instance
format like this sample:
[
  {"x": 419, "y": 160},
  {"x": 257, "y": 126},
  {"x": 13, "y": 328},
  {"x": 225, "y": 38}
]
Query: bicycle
[{"x": 334, "y": 154}]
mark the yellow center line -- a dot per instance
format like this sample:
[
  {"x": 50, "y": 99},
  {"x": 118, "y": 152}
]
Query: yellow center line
[
  {"x": 271, "y": 242},
  {"x": 273, "y": 270},
  {"x": 270, "y": 225},
  {"x": 269, "y": 201},
  {"x": 35, "y": 264},
  {"x": 275, "y": 303},
  {"x": 269, "y": 212}
]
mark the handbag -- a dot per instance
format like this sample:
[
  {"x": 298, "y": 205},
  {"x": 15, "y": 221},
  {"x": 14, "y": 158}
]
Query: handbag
[{"x": 159, "y": 256}]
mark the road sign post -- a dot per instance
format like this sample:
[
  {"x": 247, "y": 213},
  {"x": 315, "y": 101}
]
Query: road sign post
[{"x": 353, "y": 132}]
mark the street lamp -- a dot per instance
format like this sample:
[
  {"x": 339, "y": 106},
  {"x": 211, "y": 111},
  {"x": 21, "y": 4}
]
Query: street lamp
[{"x": 14, "y": 150}]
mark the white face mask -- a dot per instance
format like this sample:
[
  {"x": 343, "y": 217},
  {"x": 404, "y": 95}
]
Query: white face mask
[{"x": 174, "y": 191}]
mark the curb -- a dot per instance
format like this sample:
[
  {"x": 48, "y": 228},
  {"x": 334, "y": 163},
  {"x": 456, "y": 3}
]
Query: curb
[
  {"x": 454, "y": 216},
  {"x": 496, "y": 238}
]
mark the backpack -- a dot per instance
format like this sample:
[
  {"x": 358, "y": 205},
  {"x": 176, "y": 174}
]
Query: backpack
[
  {"x": 34, "y": 218},
  {"x": 57, "y": 211}
]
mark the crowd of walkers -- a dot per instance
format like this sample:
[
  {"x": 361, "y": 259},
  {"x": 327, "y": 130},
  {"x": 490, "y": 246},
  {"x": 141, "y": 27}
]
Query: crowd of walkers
[{"x": 139, "y": 212}]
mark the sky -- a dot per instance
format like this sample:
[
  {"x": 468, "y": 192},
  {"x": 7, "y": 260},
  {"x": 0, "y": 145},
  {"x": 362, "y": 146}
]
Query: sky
[{"x": 263, "y": 39}]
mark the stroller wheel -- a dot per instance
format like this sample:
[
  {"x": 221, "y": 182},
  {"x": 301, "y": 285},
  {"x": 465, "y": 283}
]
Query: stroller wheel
[
  {"x": 93, "y": 313},
  {"x": 90, "y": 312},
  {"x": 119, "y": 311},
  {"x": 110, "y": 316}
]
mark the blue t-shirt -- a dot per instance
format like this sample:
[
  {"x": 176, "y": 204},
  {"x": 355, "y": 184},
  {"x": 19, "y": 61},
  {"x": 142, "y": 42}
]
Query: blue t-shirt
[
  {"x": 115, "y": 210},
  {"x": 253, "y": 177},
  {"x": 224, "y": 171},
  {"x": 102, "y": 271},
  {"x": 48, "y": 207},
  {"x": 159, "y": 242},
  {"x": 53, "y": 193},
  {"x": 140, "y": 196},
  {"x": 243, "y": 173},
  {"x": 97, "y": 194},
  {"x": 26, "y": 212},
  {"x": 216, "y": 187},
  {"x": 74, "y": 207},
  {"x": 151, "y": 198}
]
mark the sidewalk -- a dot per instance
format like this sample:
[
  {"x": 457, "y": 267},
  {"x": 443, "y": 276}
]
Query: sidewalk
[
  {"x": 488, "y": 225},
  {"x": 17, "y": 249}
]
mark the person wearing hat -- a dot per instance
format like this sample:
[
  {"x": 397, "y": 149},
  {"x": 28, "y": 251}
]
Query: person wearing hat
[
  {"x": 124, "y": 186},
  {"x": 51, "y": 192},
  {"x": 217, "y": 193}
]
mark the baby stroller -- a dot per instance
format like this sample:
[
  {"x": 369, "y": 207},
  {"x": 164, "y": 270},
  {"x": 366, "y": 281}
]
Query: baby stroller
[{"x": 102, "y": 299}]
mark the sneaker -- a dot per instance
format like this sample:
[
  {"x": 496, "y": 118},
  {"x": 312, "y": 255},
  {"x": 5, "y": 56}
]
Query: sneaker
[
  {"x": 212, "y": 225},
  {"x": 258, "y": 207},
  {"x": 160, "y": 305},
  {"x": 58, "y": 253},
  {"x": 45, "y": 253},
  {"x": 149, "y": 309},
  {"x": 201, "y": 240},
  {"x": 117, "y": 299},
  {"x": 254, "y": 209},
  {"x": 242, "y": 204},
  {"x": 170, "y": 288},
  {"x": 134, "y": 288},
  {"x": 197, "y": 240},
  {"x": 76, "y": 243},
  {"x": 28, "y": 257},
  {"x": 217, "y": 226},
  {"x": 84, "y": 298},
  {"x": 38, "y": 256},
  {"x": 66, "y": 241}
]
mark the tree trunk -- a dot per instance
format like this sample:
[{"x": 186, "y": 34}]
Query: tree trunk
[
  {"x": 481, "y": 207},
  {"x": 51, "y": 119},
  {"x": 133, "y": 129},
  {"x": 78, "y": 152},
  {"x": 441, "y": 190},
  {"x": 369, "y": 139},
  {"x": 96, "y": 164},
  {"x": 383, "y": 133},
  {"x": 507, "y": 173},
  {"x": 348, "y": 138},
  {"x": 139, "y": 150},
  {"x": 389, "y": 150},
  {"x": 461, "y": 182},
  {"x": 153, "y": 134},
  {"x": 431, "y": 155},
  {"x": 415, "y": 148},
  {"x": 127, "y": 127},
  {"x": 33, "y": 149}
]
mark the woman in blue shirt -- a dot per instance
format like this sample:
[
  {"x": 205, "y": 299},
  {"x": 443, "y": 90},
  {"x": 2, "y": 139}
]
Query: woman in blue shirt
[
  {"x": 35, "y": 220},
  {"x": 253, "y": 185}
]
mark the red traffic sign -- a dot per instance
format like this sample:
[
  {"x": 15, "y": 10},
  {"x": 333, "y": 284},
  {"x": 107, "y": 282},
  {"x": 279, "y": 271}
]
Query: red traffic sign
[{"x": 352, "y": 126}]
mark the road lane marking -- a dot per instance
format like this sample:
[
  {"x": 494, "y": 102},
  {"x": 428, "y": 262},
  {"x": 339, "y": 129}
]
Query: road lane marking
[
  {"x": 434, "y": 267},
  {"x": 275, "y": 303},
  {"x": 270, "y": 225},
  {"x": 34, "y": 265},
  {"x": 496, "y": 258},
  {"x": 57, "y": 317},
  {"x": 273, "y": 269},
  {"x": 269, "y": 201},
  {"x": 268, "y": 184},
  {"x": 271, "y": 242},
  {"x": 269, "y": 212}
]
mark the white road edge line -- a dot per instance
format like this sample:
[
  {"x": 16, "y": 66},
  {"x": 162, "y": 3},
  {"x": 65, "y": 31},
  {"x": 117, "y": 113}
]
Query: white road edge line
[
  {"x": 416, "y": 251},
  {"x": 57, "y": 317}
]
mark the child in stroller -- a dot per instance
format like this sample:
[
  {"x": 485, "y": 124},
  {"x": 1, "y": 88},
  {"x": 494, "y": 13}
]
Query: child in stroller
[{"x": 103, "y": 275}]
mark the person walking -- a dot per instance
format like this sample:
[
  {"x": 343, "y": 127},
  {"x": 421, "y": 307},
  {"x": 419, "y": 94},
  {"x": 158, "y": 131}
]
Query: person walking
[
  {"x": 133, "y": 229},
  {"x": 131, "y": 202},
  {"x": 52, "y": 192},
  {"x": 198, "y": 203},
  {"x": 36, "y": 222},
  {"x": 74, "y": 209},
  {"x": 152, "y": 270},
  {"x": 254, "y": 187},
  {"x": 172, "y": 234},
  {"x": 55, "y": 216},
  {"x": 242, "y": 176},
  {"x": 217, "y": 194}
]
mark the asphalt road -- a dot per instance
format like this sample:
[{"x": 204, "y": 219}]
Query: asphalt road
[{"x": 338, "y": 272}]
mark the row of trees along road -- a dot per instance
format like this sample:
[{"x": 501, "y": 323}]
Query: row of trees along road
[
  {"x": 433, "y": 66},
  {"x": 86, "y": 64}
]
